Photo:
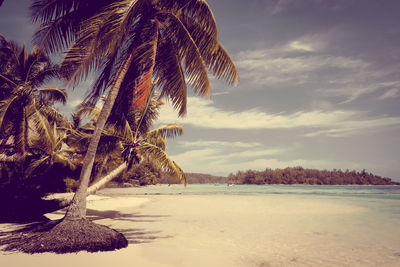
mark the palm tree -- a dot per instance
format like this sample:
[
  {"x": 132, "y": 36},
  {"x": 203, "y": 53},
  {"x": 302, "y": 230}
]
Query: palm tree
[
  {"x": 49, "y": 147},
  {"x": 22, "y": 101},
  {"x": 132, "y": 41},
  {"x": 132, "y": 138},
  {"x": 151, "y": 148}
]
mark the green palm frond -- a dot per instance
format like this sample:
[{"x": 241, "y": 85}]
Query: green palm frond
[
  {"x": 61, "y": 20},
  {"x": 51, "y": 94},
  {"x": 99, "y": 37},
  {"x": 222, "y": 65},
  {"x": 45, "y": 131},
  {"x": 6, "y": 109},
  {"x": 53, "y": 115},
  {"x": 194, "y": 66},
  {"x": 159, "y": 156},
  {"x": 171, "y": 77},
  {"x": 64, "y": 160},
  {"x": 35, "y": 164},
  {"x": 89, "y": 110},
  {"x": 169, "y": 131}
]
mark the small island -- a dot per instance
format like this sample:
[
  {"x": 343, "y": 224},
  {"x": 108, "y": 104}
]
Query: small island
[{"x": 291, "y": 175}]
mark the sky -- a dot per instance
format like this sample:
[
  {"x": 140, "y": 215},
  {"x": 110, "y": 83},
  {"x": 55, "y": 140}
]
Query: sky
[{"x": 319, "y": 88}]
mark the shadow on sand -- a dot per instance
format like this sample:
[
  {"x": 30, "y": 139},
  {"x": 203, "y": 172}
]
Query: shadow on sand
[
  {"x": 15, "y": 232},
  {"x": 133, "y": 235}
]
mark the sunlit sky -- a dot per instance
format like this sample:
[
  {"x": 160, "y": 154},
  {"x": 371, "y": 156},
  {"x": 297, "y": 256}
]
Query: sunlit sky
[{"x": 319, "y": 87}]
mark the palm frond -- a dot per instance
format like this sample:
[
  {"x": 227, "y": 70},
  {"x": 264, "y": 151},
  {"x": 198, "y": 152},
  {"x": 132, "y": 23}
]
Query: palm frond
[
  {"x": 44, "y": 130},
  {"x": 168, "y": 131},
  {"x": 35, "y": 164},
  {"x": 99, "y": 36},
  {"x": 198, "y": 10},
  {"x": 159, "y": 156},
  {"x": 89, "y": 110},
  {"x": 61, "y": 20},
  {"x": 55, "y": 35},
  {"x": 127, "y": 132},
  {"x": 194, "y": 66},
  {"x": 53, "y": 115},
  {"x": 6, "y": 109},
  {"x": 65, "y": 161},
  {"x": 171, "y": 78},
  {"x": 222, "y": 66},
  {"x": 51, "y": 94}
]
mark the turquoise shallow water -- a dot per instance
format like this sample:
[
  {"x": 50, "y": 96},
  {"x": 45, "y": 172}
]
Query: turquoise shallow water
[{"x": 357, "y": 191}]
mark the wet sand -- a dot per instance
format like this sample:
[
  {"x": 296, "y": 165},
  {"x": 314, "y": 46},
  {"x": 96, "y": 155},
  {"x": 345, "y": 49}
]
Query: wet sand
[{"x": 227, "y": 230}]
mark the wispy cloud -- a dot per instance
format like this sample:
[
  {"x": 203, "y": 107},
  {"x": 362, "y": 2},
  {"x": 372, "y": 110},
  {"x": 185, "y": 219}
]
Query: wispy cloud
[
  {"x": 214, "y": 144},
  {"x": 219, "y": 162},
  {"x": 391, "y": 93},
  {"x": 300, "y": 46},
  {"x": 220, "y": 93},
  {"x": 278, "y": 6},
  {"x": 336, "y": 123},
  {"x": 309, "y": 61},
  {"x": 277, "y": 66},
  {"x": 232, "y": 150}
]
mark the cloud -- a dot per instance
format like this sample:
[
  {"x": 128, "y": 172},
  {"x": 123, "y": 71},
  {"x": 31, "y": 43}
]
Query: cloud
[
  {"x": 276, "y": 66},
  {"x": 220, "y": 93},
  {"x": 207, "y": 143},
  {"x": 219, "y": 162},
  {"x": 297, "y": 45},
  {"x": 232, "y": 150},
  {"x": 391, "y": 93},
  {"x": 278, "y": 6},
  {"x": 309, "y": 60},
  {"x": 336, "y": 123},
  {"x": 72, "y": 104}
]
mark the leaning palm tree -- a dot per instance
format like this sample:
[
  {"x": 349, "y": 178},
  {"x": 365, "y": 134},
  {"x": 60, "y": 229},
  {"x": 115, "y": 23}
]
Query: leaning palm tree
[
  {"x": 151, "y": 148},
  {"x": 133, "y": 139},
  {"x": 22, "y": 98},
  {"x": 129, "y": 43}
]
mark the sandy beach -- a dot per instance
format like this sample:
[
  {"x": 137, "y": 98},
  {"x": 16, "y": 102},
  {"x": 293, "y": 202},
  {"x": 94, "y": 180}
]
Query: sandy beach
[{"x": 227, "y": 230}]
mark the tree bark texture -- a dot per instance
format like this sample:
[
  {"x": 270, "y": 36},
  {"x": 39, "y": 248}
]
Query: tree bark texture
[{"x": 77, "y": 209}]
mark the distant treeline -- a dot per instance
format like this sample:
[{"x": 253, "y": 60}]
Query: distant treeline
[
  {"x": 299, "y": 175},
  {"x": 196, "y": 178}
]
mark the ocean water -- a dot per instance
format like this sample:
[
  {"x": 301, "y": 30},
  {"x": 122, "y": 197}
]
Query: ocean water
[
  {"x": 273, "y": 225},
  {"x": 356, "y": 191}
]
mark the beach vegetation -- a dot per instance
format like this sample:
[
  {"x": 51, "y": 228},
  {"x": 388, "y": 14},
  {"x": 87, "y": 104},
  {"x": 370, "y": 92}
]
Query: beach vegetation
[
  {"x": 30, "y": 141},
  {"x": 125, "y": 45},
  {"x": 299, "y": 175},
  {"x": 25, "y": 105},
  {"x": 128, "y": 43}
]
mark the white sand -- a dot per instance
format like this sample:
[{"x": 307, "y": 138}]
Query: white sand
[{"x": 185, "y": 230}]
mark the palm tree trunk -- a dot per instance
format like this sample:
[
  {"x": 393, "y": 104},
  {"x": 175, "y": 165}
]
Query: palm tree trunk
[
  {"x": 105, "y": 179},
  {"x": 77, "y": 209},
  {"x": 101, "y": 169},
  {"x": 102, "y": 181}
]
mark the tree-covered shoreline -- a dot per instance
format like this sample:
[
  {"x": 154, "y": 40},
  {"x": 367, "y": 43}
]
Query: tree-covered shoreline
[
  {"x": 289, "y": 175},
  {"x": 299, "y": 175}
]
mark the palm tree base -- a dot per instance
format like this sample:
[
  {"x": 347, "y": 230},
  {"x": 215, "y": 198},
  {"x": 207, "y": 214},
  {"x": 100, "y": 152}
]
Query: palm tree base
[{"x": 65, "y": 236}]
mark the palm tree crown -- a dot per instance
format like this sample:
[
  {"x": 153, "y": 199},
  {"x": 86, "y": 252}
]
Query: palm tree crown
[{"x": 23, "y": 104}]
